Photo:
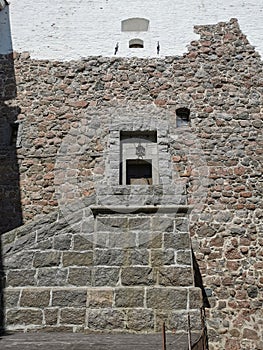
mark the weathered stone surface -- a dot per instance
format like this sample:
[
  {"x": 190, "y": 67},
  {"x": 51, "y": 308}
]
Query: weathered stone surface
[
  {"x": 252, "y": 291},
  {"x": 100, "y": 298},
  {"x": 46, "y": 259},
  {"x": 129, "y": 297},
  {"x": 184, "y": 257},
  {"x": 140, "y": 320},
  {"x": 112, "y": 224},
  {"x": 176, "y": 241},
  {"x": 181, "y": 224},
  {"x": 75, "y": 316},
  {"x": 77, "y": 259},
  {"x": 21, "y": 260},
  {"x": 134, "y": 276},
  {"x": 160, "y": 257},
  {"x": 163, "y": 224},
  {"x": 175, "y": 276},
  {"x": 83, "y": 242},
  {"x": 174, "y": 321},
  {"x": 80, "y": 276},
  {"x": 139, "y": 223},
  {"x": 52, "y": 276},
  {"x": 195, "y": 298},
  {"x": 166, "y": 298},
  {"x": 51, "y": 316},
  {"x": 122, "y": 239},
  {"x": 105, "y": 276},
  {"x": 105, "y": 319},
  {"x": 62, "y": 242},
  {"x": 108, "y": 257},
  {"x": 136, "y": 257},
  {"x": 69, "y": 298},
  {"x": 16, "y": 278},
  {"x": 250, "y": 334},
  {"x": 35, "y": 298},
  {"x": 24, "y": 316},
  {"x": 11, "y": 298}
]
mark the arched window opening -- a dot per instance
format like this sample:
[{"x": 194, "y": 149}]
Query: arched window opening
[
  {"x": 136, "y": 43},
  {"x": 135, "y": 25},
  {"x": 182, "y": 117}
]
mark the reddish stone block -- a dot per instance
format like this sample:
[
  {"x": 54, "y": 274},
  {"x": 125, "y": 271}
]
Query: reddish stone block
[
  {"x": 227, "y": 281},
  {"x": 239, "y": 171},
  {"x": 246, "y": 194},
  {"x": 233, "y": 254},
  {"x": 232, "y": 344},
  {"x": 176, "y": 159},
  {"x": 160, "y": 102},
  {"x": 250, "y": 334}
]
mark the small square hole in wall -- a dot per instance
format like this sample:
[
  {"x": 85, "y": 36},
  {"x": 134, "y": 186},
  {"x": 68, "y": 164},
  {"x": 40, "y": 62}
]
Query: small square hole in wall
[
  {"x": 138, "y": 172},
  {"x": 182, "y": 117}
]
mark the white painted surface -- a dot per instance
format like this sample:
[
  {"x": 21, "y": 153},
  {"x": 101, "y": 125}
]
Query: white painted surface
[
  {"x": 66, "y": 29},
  {"x": 5, "y": 35}
]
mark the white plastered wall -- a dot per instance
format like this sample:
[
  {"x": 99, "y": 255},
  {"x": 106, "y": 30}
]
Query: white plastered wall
[
  {"x": 5, "y": 34},
  {"x": 66, "y": 29}
]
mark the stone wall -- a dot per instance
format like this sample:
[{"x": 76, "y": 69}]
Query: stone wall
[
  {"x": 220, "y": 81},
  {"x": 119, "y": 273}
]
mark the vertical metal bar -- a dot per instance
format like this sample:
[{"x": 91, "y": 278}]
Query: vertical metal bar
[
  {"x": 164, "y": 337},
  {"x": 189, "y": 334}
]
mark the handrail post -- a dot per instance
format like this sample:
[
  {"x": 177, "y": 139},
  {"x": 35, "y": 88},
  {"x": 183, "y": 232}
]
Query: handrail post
[
  {"x": 189, "y": 334},
  {"x": 164, "y": 337}
]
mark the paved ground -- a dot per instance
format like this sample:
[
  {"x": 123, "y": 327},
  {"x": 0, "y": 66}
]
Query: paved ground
[{"x": 77, "y": 341}]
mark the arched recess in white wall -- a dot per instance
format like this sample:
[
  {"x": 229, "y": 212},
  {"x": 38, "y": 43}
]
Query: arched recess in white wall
[
  {"x": 135, "y": 25},
  {"x": 136, "y": 44}
]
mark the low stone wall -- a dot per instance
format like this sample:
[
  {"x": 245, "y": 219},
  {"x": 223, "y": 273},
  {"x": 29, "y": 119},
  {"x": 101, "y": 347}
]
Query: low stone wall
[{"x": 109, "y": 272}]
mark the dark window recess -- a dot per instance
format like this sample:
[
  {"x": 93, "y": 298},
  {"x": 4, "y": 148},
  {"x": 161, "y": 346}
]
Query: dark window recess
[
  {"x": 136, "y": 43},
  {"x": 13, "y": 133},
  {"x": 182, "y": 117},
  {"x": 138, "y": 172},
  {"x": 142, "y": 135}
]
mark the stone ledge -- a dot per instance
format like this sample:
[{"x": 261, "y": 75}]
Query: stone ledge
[{"x": 148, "y": 209}]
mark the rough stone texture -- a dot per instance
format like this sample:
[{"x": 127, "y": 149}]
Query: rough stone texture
[
  {"x": 220, "y": 80},
  {"x": 100, "y": 289},
  {"x": 34, "y": 298}
]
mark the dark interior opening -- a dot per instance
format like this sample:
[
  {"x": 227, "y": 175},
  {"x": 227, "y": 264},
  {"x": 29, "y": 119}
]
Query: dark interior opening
[
  {"x": 136, "y": 43},
  {"x": 138, "y": 172},
  {"x": 182, "y": 116},
  {"x": 150, "y": 135},
  {"x": 136, "y": 46}
]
